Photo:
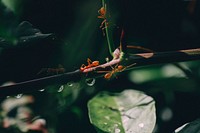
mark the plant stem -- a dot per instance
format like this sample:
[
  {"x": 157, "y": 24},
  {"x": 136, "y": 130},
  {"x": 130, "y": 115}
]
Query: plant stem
[
  {"x": 40, "y": 83},
  {"x": 75, "y": 76},
  {"x": 164, "y": 57},
  {"x": 108, "y": 30}
]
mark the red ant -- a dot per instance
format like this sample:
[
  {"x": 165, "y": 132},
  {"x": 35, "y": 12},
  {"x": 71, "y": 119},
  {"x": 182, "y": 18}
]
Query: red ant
[
  {"x": 51, "y": 71},
  {"x": 120, "y": 68},
  {"x": 90, "y": 64},
  {"x": 102, "y": 13},
  {"x": 116, "y": 69}
]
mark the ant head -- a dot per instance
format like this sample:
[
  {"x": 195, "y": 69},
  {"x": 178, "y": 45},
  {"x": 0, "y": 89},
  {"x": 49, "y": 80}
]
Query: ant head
[{"x": 102, "y": 11}]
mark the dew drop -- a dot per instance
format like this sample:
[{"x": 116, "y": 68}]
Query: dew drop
[
  {"x": 42, "y": 90},
  {"x": 141, "y": 125},
  {"x": 61, "y": 88},
  {"x": 117, "y": 130},
  {"x": 90, "y": 81},
  {"x": 70, "y": 84},
  {"x": 19, "y": 96},
  {"x": 105, "y": 123}
]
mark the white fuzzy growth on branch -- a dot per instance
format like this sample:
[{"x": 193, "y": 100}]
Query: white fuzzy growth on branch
[
  {"x": 108, "y": 64},
  {"x": 117, "y": 56}
]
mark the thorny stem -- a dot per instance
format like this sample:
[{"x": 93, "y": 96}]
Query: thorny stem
[{"x": 140, "y": 60}]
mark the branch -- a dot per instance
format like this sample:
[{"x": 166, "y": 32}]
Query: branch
[
  {"x": 140, "y": 60},
  {"x": 165, "y": 57},
  {"x": 40, "y": 83}
]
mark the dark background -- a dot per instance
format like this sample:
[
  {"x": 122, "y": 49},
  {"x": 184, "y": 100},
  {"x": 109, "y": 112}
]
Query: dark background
[{"x": 160, "y": 25}]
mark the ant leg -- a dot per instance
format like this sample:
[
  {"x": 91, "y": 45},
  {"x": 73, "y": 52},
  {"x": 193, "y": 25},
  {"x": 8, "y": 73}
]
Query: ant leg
[
  {"x": 89, "y": 61},
  {"x": 103, "y": 27},
  {"x": 103, "y": 32},
  {"x": 102, "y": 23},
  {"x": 102, "y": 17},
  {"x": 128, "y": 67},
  {"x": 102, "y": 71},
  {"x": 83, "y": 65},
  {"x": 113, "y": 67}
]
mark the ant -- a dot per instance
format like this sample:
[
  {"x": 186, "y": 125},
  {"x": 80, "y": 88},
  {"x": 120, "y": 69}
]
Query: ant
[
  {"x": 90, "y": 64},
  {"x": 102, "y": 15},
  {"x": 51, "y": 71},
  {"x": 116, "y": 69}
]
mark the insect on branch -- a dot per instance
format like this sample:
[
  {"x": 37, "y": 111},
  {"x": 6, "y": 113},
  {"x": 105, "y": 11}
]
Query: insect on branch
[{"x": 140, "y": 59}]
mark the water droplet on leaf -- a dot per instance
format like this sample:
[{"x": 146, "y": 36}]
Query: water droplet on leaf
[
  {"x": 61, "y": 88},
  {"x": 141, "y": 125},
  {"x": 19, "y": 96},
  {"x": 90, "y": 81},
  {"x": 70, "y": 84},
  {"x": 42, "y": 90}
]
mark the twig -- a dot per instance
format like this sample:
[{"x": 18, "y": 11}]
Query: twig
[
  {"x": 40, "y": 83},
  {"x": 140, "y": 60},
  {"x": 165, "y": 57}
]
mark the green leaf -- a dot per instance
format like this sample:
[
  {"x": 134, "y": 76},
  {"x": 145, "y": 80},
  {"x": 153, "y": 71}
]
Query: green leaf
[
  {"x": 24, "y": 34},
  {"x": 125, "y": 112}
]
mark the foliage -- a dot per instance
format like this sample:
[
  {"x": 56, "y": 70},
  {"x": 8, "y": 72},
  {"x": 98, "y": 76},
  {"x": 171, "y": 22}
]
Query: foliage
[{"x": 128, "y": 111}]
